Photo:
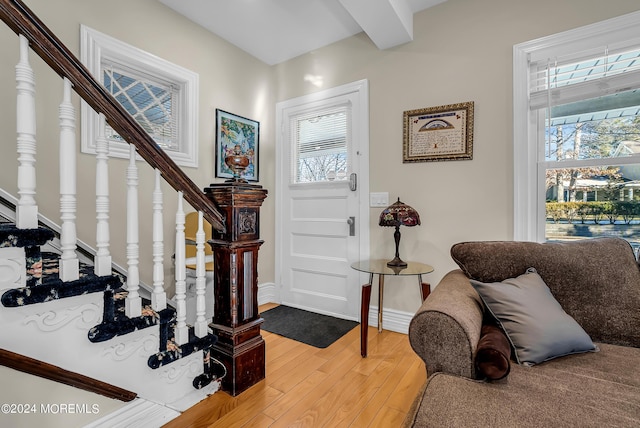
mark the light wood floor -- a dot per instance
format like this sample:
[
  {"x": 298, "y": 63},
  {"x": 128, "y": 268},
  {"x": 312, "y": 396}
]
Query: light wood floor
[{"x": 311, "y": 387}]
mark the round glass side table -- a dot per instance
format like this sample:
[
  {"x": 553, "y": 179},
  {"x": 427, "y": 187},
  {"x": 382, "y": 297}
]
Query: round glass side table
[{"x": 380, "y": 268}]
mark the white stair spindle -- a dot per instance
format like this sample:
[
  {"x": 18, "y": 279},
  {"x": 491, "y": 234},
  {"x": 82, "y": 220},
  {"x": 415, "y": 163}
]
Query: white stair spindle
[
  {"x": 133, "y": 302},
  {"x": 181, "y": 332},
  {"x": 26, "y": 209},
  {"x": 201, "y": 325},
  {"x": 102, "y": 262},
  {"x": 158, "y": 297},
  {"x": 69, "y": 264}
]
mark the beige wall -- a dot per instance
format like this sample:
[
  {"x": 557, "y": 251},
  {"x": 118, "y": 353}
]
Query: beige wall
[{"x": 462, "y": 51}]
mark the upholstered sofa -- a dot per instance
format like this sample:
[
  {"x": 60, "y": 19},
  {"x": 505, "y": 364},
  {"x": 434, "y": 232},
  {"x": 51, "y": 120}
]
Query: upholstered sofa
[{"x": 596, "y": 282}]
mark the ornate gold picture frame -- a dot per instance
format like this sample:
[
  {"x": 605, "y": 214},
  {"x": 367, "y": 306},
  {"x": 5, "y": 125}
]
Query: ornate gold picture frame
[{"x": 438, "y": 133}]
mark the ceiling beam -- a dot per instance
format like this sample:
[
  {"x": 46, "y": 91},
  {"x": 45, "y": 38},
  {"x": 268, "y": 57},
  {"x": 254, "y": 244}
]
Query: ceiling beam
[{"x": 388, "y": 23}]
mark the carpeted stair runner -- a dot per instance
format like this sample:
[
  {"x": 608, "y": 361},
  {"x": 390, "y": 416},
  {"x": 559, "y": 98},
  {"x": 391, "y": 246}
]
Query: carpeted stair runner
[{"x": 43, "y": 284}]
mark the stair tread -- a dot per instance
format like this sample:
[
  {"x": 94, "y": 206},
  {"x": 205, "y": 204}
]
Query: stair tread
[
  {"x": 12, "y": 236},
  {"x": 44, "y": 283}
]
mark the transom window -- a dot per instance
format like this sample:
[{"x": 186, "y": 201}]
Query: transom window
[
  {"x": 162, "y": 97},
  {"x": 152, "y": 103}
]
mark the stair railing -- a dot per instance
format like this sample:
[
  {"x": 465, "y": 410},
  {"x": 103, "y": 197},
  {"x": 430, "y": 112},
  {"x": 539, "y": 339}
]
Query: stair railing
[
  {"x": 34, "y": 34},
  {"x": 44, "y": 43}
]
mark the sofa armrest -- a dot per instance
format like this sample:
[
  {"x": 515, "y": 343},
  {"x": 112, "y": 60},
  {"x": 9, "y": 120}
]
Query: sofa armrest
[{"x": 445, "y": 331}]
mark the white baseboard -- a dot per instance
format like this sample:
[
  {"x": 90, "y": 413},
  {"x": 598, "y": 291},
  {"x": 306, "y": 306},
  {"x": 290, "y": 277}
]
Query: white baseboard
[
  {"x": 267, "y": 293},
  {"x": 392, "y": 319},
  {"x": 139, "y": 413}
]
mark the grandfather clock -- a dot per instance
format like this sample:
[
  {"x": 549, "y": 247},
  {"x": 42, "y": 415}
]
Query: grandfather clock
[{"x": 236, "y": 321}]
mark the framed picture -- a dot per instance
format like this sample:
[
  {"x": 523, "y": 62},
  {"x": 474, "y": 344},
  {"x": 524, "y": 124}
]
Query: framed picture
[
  {"x": 438, "y": 133},
  {"x": 231, "y": 131}
]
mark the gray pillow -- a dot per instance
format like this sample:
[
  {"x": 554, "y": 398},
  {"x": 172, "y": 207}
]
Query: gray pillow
[{"x": 535, "y": 323}]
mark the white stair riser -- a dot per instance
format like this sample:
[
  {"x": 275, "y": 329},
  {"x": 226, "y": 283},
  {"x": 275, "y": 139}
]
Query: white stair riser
[{"x": 56, "y": 332}]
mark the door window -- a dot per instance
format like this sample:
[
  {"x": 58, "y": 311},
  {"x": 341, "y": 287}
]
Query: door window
[{"x": 321, "y": 141}]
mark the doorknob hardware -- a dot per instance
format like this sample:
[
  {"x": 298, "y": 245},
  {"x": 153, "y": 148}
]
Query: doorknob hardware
[
  {"x": 353, "y": 181},
  {"x": 351, "y": 221}
]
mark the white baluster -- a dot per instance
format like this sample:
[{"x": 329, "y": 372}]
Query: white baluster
[
  {"x": 182, "y": 332},
  {"x": 133, "y": 302},
  {"x": 158, "y": 297},
  {"x": 201, "y": 305},
  {"x": 26, "y": 210},
  {"x": 69, "y": 264},
  {"x": 102, "y": 261}
]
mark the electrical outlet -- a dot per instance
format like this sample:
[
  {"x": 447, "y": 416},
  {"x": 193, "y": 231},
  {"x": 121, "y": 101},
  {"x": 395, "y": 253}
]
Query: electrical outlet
[{"x": 379, "y": 199}]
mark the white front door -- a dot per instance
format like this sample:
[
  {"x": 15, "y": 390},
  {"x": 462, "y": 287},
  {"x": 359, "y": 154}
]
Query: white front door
[{"x": 322, "y": 224}]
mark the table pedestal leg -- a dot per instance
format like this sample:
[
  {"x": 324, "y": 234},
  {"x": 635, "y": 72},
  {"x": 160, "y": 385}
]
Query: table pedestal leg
[
  {"x": 425, "y": 288},
  {"x": 364, "y": 316},
  {"x": 380, "y": 294}
]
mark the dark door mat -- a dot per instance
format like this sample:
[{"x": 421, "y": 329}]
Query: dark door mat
[{"x": 307, "y": 327}]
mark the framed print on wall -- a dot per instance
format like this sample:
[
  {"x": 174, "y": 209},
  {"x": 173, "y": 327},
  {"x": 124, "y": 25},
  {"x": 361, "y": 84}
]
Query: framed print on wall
[
  {"x": 231, "y": 131},
  {"x": 438, "y": 133}
]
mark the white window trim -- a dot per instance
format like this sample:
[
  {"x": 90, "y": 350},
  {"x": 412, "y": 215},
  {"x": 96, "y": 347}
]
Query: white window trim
[
  {"x": 529, "y": 212},
  {"x": 94, "y": 46}
]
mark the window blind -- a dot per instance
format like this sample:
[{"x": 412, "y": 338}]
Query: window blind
[
  {"x": 557, "y": 81},
  {"x": 321, "y": 142}
]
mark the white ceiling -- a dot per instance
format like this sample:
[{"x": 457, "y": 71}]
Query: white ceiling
[{"x": 277, "y": 30}]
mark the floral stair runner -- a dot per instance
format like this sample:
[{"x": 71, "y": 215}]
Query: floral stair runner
[{"x": 43, "y": 284}]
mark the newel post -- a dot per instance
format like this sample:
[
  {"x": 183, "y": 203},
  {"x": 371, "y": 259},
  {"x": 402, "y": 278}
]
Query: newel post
[{"x": 236, "y": 320}]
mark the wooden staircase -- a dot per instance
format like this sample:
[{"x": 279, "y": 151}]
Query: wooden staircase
[{"x": 92, "y": 320}]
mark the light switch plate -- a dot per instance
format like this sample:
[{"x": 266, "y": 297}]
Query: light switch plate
[{"x": 379, "y": 199}]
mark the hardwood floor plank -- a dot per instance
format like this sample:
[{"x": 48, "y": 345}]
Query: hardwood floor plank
[
  {"x": 369, "y": 413},
  {"x": 299, "y": 392},
  {"x": 388, "y": 417},
  {"x": 412, "y": 380},
  {"x": 318, "y": 406},
  {"x": 259, "y": 421},
  {"x": 292, "y": 374},
  {"x": 249, "y": 408}
]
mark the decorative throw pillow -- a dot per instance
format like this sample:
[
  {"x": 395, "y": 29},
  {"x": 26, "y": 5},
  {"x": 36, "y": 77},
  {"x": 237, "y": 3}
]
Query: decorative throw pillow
[
  {"x": 535, "y": 323},
  {"x": 493, "y": 354}
]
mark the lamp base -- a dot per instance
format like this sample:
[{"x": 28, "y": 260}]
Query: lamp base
[{"x": 396, "y": 262}]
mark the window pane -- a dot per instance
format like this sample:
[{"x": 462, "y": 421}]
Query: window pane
[
  {"x": 593, "y": 201},
  {"x": 321, "y": 149},
  {"x": 150, "y": 103},
  {"x": 604, "y": 127}
]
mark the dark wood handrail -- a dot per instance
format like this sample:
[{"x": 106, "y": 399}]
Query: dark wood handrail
[
  {"x": 49, "y": 371},
  {"x": 43, "y": 42}
]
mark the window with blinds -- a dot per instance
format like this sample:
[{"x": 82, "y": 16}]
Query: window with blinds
[
  {"x": 577, "y": 133},
  {"x": 321, "y": 145}
]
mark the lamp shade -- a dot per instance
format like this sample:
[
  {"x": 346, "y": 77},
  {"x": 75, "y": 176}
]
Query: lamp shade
[{"x": 399, "y": 214}]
